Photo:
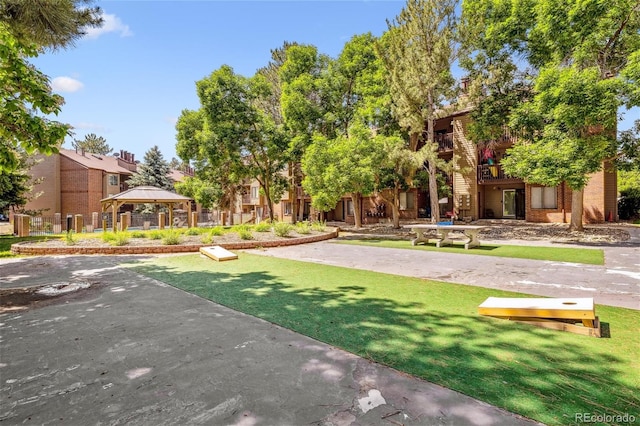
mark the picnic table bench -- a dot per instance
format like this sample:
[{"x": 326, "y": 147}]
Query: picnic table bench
[{"x": 442, "y": 234}]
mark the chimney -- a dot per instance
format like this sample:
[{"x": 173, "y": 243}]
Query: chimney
[{"x": 464, "y": 84}]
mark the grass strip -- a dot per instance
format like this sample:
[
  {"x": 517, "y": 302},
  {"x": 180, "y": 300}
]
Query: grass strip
[
  {"x": 557, "y": 254},
  {"x": 431, "y": 330}
]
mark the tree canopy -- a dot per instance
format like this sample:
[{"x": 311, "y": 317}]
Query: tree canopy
[
  {"x": 25, "y": 100},
  {"x": 418, "y": 52},
  {"x": 153, "y": 171},
  {"x": 235, "y": 133},
  {"x": 583, "y": 58},
  {"x": 94, "y": 144},
  {"x": 50, "y": 23}
]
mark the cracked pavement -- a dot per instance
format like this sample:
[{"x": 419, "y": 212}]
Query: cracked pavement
[{"x": 132, "y": 350}]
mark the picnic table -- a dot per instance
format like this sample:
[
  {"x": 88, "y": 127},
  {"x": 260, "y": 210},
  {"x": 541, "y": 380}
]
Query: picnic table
[{"x": 442, "y": 234}]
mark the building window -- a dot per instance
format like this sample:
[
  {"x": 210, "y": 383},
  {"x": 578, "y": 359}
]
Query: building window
[
  {"x": 407, "y": 201},
  {"x": 113, "y": 180},
  {"x": 544, "y": 197},
  {"x": 350, "y": 211},
  {"x": 286, "y": 207},
  {"x": 255, "y": 191}
]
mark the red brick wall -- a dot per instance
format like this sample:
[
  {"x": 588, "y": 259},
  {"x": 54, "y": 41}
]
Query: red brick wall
[{"x": 74, "y": 187}]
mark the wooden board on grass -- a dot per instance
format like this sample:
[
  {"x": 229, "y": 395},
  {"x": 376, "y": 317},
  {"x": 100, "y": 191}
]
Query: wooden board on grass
[
  {"x": 555, "y": 313},
  {"x": 218, "y": 253}
]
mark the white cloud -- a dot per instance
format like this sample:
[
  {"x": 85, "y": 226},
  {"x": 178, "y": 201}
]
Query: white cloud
[
  {"x": 170, "y": 120},
  {"x": 111, "y": 24},
  {"x": 93, "y": 127},
  {"x": 66, "y": 84}
]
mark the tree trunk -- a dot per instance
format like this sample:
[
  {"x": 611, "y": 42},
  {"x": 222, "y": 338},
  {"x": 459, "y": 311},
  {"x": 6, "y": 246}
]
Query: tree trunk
[
  {"x": 355, "y": 198},
  {"x": 433, "y": 174},
  {"x": 395, "y": 207},
  {"x": 433, "y": 193},
  {"x": 577, "y": 209}
]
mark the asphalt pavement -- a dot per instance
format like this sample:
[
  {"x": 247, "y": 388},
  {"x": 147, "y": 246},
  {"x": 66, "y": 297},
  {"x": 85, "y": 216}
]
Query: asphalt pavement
[
  {"x": 121, "y": 348},
  {"x": 126, "y": 349}
]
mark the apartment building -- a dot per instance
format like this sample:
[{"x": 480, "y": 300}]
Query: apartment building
[
  {"x": 74, "y": 181},
  {"x": 481, "y": 190}
]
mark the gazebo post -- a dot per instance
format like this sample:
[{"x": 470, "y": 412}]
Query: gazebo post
[
  {"x": 170, "y": 215},
  {"x": 114, "y": 215},
  {"x": 189, "y": 224}
]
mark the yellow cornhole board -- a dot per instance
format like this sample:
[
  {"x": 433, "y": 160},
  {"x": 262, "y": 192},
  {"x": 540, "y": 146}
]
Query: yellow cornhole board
[
  {"x": 576, "y": 315},
  {"x": 218, "y": 253}
]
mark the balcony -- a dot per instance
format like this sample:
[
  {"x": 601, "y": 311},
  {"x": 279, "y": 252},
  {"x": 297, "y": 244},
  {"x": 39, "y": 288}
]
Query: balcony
[
  {"x": 494, "y": 174},
  {"x": 444, "y": 141}
]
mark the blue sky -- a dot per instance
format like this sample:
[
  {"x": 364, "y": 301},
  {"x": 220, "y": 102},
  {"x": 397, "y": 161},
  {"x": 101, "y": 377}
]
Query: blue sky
[{"x": 129, "y": 80}]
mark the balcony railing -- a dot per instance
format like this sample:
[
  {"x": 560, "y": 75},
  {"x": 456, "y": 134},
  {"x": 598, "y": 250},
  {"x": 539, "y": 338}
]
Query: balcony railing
[
  {"x": 492, "y": 173},
  {"x": 445, "y": 141}
]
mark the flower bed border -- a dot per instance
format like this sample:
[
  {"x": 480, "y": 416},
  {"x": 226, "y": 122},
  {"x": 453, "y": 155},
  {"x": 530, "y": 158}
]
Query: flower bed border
[{"x": 26, "y": 248}]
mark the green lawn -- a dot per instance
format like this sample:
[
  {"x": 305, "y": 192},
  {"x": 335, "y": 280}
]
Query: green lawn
[
  {"x": 431, "y": 330},
  {"x": 7, "y": 240},
  {"x": 558, "y": 254}
]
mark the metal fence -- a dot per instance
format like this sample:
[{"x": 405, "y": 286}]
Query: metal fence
[{"x": 46, "y": 225}]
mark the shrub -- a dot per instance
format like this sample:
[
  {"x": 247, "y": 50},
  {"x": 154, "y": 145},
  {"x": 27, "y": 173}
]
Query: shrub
[
  {"x": 206, "y": 238},
  {"x": 138, "y": 234},
  {"x": 318, "y": 226},
  {"x": 155, "y": 235},
  {"x": 303, "y": 228},
  {"x": 69, "y": 239},
  {"x": 120, "y": 239},
  {"x": 216, "y": 231},
  {"x": 108, "y": 236},
  {"x": 629, "y": 204},
  {"x": 282, "y": 229},
  {"x": 172, "y": 238},
  {"x": 245, "y": 233},
  {"x": 263, "y": 226},
  {"x": 194, "y": 231}
]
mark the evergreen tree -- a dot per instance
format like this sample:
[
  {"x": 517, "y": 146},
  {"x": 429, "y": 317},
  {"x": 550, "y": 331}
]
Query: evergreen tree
[
  {"x": 49, "y": 23},
  {"x": 418, "y": 52},
  {"x": 154, "y": 171},
  {"x": 93, "y": 144}
]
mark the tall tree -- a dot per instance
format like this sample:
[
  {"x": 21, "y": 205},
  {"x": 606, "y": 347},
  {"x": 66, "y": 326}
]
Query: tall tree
[
  {"x": 50, "y": 23},
  {"x": 153, "y": 171},
  {"x": 93, "y": 144},
  {"x": 418, "y": 51},
  {"x": 300, "y": 70},
  {"x": 396, "y": 169},
  {"x": 344, "y": 165},
  {"x": 26, "y": 27},
  {"x": 584, "y": 55},
  {"x": 25, "y": 99},
  {"x": 218, "y": 176},
  {"x": 16, "y": 184},
  {"x": 239, "y": 134}
]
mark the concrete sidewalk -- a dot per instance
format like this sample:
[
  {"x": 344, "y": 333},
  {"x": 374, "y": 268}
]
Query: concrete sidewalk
[
  {"x": 131, "y": 350},
  {"x": 617, "y": 283}
]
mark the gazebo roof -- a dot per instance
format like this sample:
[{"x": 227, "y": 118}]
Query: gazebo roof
[{"x": 146, "y": 194}]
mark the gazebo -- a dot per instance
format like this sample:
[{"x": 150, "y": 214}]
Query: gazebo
[{"x": 145, "y": 195}]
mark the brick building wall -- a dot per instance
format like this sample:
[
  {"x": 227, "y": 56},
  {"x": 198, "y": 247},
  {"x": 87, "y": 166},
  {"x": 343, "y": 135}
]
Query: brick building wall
[
  {"x": 74, "y": 190},
  {"x": 48, "y": 190}
]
